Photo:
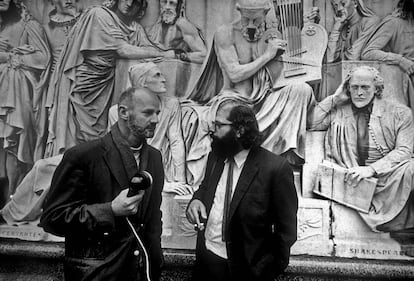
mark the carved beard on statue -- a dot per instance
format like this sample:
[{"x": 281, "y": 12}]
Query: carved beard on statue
[
  {"x": 168, "y": 16},
  {"x": 226, "y": 146},
  {"x": 253, "y": 34}
]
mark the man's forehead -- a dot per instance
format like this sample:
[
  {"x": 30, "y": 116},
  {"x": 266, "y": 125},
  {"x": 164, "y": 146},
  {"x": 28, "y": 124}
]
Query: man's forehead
[
  {"x": 362, "y": 74},
  {"x": 252, "y": 13}
]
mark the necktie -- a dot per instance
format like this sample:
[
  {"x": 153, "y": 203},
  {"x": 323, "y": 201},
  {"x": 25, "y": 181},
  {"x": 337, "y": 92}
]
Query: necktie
[
  {"x": 227, "y": 198},
  {"x": 362, "y": 136}
]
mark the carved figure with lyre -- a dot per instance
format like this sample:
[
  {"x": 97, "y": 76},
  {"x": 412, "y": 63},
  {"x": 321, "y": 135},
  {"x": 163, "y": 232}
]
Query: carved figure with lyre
[{"x": 306, "y": 45}]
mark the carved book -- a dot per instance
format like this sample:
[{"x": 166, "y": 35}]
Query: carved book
[{"x": 331, "y": 184}]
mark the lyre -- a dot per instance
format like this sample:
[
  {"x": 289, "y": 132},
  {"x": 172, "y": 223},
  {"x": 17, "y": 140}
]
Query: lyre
[{"x": 306, "y": 45}]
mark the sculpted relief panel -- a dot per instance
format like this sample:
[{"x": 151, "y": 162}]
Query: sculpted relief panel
[{"x": 331, "y": 82}]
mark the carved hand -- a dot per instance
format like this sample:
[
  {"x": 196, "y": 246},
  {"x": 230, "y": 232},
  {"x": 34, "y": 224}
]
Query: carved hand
[
  {"x": 313, "y": 16},
  {"x": 194, "y": 210},
  {"x": 340, "y": 97},
  {"x": 178, "y": 188},
  {"x": 341, "y": 18},
  {"x": 125, "y": 206},
  {"x": 407, "y": 65},
  {"x": 356, "y": 174},
  {"x": 4, "y": 44},
  {"x": 275, "y": 47}
]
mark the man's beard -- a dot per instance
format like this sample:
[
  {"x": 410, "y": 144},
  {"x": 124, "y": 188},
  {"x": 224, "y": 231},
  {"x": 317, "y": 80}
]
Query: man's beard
[
  {"x": 226, "y": 146},
  {"x": 137, "y": 131},
  {"x": 168, "y": 16},
  {"x": 251, "y": 34}
]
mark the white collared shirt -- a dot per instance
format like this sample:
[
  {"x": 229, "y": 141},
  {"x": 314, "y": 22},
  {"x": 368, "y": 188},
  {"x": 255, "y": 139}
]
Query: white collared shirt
[{"x": 213, "y": 237}]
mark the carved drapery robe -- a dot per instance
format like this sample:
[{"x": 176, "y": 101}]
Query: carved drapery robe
[
  {"x": 281, "y": 113},
  {"x": 83, "y": 83},
  {"x": 391, "y": 130},
  {"x": 21, "y": 99},
  {"x": 391, "y": 43}
]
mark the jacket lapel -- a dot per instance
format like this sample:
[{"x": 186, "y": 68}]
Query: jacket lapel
[
  {"x": 143, "y": 166},
  {"x": 114, "y": 162},
  {"x": 243, "y": 184},
  {"x": 214, "y": 177}
]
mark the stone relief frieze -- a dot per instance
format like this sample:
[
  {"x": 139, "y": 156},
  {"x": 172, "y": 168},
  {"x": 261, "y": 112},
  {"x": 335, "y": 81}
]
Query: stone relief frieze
[{"x": 52, "y": 97}]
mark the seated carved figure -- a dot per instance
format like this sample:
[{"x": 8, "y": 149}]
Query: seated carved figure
[
  {"x": 372, "y": 137},
  {"x": 26, "y": 204},
  {"x": 83, "y": 83},
  {"x": 24, "y": 61},
  {"x": 235, "y": 67},
  {"x": 392, "y": 43},
  {"x": 353, "y": 23},
  {"x": 174, "y": 31}
]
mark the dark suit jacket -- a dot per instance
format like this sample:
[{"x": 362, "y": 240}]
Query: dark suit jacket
[
  {"x": 262, "y": 219},
  {"x": 98, "y": 245}
]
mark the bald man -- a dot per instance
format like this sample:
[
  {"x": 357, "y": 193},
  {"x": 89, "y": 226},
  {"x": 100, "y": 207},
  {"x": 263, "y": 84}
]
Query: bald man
[{"x": 88, "y": 202}]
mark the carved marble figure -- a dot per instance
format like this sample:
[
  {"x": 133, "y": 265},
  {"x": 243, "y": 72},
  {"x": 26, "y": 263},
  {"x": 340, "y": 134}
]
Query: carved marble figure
[
  {"x": 24, "y": 61},
  {"x": 26, "y": 204},
  {"x": 353, "y": 24},
  {"x": 372, "y": 137},
  {"x": 83, "y": 82},
  {"x": 236, "y": 67},
  {"x": 168, "y": 136},
  {"x": 392, "y": 43},
  {"x": 174, "y": 31}
]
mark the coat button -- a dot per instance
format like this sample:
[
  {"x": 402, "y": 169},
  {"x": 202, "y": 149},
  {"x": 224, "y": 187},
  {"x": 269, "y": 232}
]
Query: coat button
[
  {"x": 141, "y": 225},
  {"x": 136, "y": 253},
  {"x": 106, "y": 233}
]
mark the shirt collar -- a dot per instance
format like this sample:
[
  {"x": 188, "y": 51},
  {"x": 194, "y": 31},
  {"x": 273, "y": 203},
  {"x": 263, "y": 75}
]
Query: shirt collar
[{"x": 240, "y": 158}]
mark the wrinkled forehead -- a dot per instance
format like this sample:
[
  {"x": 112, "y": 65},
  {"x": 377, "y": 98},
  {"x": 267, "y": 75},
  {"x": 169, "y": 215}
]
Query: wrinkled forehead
[
  {"x": 163, "y": 2},
  {"x": 362, "y": 75},
  {"x": 252, "y": 13}
]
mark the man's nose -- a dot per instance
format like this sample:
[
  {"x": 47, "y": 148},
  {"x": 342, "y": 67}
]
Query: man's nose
[{"x": 155, "y": 119}]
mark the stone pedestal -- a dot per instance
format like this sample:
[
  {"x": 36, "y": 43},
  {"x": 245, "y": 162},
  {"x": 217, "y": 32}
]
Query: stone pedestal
[
  {"x": 313, "y": 228},
  {"x": 177, "y": 232},
  {"x": 314, "y": 154},
  {"x": 353, "y": 238}
]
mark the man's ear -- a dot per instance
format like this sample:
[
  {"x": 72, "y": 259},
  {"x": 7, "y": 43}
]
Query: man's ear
[{"x": 123, "y": 112}]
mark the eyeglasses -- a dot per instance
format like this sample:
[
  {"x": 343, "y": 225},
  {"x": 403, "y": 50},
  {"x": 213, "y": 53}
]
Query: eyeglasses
[{"x": 217, "y": 124}]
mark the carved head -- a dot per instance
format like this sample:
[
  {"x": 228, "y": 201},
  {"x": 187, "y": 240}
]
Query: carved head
[
  {"x": 363, "y": 83},
  {"x": 65, "y": 7},
  {"x": 147, "y": 75},
  {"x": 253, "y": 18},
  {"x": 13, "y": 10},
  {"x": 342, "y": 7},
  {"x": 129, "y": 8},
  {"x": 170, "y": 10}
]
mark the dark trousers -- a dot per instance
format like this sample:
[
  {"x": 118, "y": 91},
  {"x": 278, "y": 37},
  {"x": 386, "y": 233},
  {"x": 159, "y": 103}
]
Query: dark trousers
[{"x": 210, "y": 267}]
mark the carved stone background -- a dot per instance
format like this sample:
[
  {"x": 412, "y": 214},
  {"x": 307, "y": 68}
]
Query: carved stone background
[{"x": 325, "y": 228}]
